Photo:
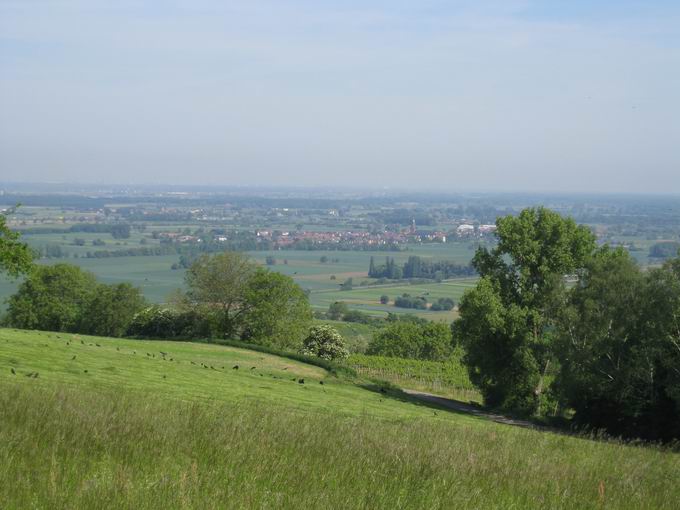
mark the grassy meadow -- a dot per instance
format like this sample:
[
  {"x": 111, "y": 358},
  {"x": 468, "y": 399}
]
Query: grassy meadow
[{"x": 109, "y": 423}]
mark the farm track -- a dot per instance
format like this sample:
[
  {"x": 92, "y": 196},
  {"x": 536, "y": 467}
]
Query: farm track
[{"x": 462, "y": 407}]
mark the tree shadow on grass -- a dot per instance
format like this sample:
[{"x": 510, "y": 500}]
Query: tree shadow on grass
[{"x": 437, "y": 403}]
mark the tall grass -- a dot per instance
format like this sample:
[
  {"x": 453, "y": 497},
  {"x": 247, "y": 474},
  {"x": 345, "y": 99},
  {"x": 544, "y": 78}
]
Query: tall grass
[{"x": 76, "y": 448}]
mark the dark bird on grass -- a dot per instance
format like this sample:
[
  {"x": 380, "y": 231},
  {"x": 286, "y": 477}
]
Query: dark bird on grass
[
  {"x": 118, "y": 348},
  {"x": 253, "y": 368},
  {"x": 222, "y": 368},
  {"x": 14, "y": 372},
  {"x": 285, "y": 368},
  {"x": 30, "y": 374},
  {"x": 134, "y": 352},
  {"x": 74, "y": 357},
  {"x": 163, "y": 353},
  {"x": 235, "y": 367},
  {"x": 193, "y": 363},
  {"x": 82, "y": 342},
  {"x": 301, "y": 381},
  {"x": 164, "y": 377},
  {"x": 148, "y": 354},
  {"x": 172, "y": 359},
  {"x": 321, "y": 383},
  {"x": 212, "y": 367},
  {"x": 97, "y": 345},
  {"x": 85, "y": 371},
  {"x": 205, "y": 366}
]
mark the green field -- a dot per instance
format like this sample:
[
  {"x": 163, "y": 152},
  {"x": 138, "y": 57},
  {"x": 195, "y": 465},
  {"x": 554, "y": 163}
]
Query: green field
[
  {"x": 138, "y": 430},
  {"x": 153, "y": 274},
  {"x": 367, "y": 299}
]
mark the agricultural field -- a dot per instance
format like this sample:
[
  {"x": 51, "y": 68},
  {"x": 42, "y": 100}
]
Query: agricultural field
[
  {"x": 155, "y": 276},
  {"x": 446, "y": 378},
  {"x": 97, "y": 422},
  {"x": 367, "y": 299}
]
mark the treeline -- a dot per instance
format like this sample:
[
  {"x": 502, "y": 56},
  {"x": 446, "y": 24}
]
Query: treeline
[
  {"x": 416, "y": 267},
  {"x": 117, "y": 230},
  {"x": 664, "y": 250},
  {"x": 228, "y": 297},
  {"x": 63, "y": 297},
  {"x": 606, "y": 350},
  {"x": 408, "y": 301}
]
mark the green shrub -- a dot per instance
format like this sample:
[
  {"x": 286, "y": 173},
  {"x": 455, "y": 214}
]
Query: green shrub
[{"x": 324, "y": 342}]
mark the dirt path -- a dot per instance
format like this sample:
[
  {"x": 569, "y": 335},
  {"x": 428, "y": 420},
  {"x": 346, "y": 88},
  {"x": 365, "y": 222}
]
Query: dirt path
[{"x": 455, "y": 405}]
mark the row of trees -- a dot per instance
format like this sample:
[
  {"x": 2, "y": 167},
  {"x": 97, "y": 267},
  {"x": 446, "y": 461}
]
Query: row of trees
[
  {"x": 610, "y": 343},
  {"x": 416, "y": 267},
  {"x": 227, "y": 296},
  {"x": 408, "y": 301},
  {"x": 63, "y": 297}
]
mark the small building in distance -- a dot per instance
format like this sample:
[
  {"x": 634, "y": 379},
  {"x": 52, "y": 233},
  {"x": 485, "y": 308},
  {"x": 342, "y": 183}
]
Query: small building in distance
[{"x": 465, "y": 230}]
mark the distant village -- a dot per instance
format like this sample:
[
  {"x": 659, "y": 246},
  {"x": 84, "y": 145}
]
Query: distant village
[{"x": 284, "y": 239}]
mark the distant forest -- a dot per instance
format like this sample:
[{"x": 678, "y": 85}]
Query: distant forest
[{"x": 416, "y": 267}]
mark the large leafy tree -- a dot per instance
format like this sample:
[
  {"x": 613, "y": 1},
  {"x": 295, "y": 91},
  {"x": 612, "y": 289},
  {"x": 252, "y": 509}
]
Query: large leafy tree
[
  {"x": 15, "y": 257},
  {"x": 276, "y": 310},
  {"x": 111, "y": 309},
  {"x": 618, "y": 343},
  {"x": 247, "y": 302},
  {"x": 217, "y": 286},
  {"x": 505, "y": 321},
  {"x": 51, "y": 298}
]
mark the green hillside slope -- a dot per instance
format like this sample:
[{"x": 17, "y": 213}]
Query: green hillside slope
[{"x": 140, "y": 424}]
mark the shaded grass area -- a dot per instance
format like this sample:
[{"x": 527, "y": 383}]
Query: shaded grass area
[{"x": 78, "y": 448}]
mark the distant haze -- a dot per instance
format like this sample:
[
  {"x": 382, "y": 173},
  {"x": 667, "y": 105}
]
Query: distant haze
[{"x": 452, "y": 94}]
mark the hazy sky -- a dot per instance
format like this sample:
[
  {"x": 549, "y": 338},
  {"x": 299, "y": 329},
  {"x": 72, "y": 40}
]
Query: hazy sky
[{"x": 453, "y": 94}]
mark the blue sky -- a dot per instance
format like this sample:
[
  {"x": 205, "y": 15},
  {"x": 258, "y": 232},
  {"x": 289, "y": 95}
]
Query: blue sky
[{"x": 497, "y": 95}]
